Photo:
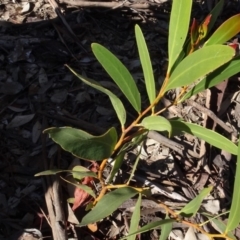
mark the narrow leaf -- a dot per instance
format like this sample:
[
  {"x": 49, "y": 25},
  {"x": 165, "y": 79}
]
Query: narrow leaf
[
  {"x": 225, "y": 32},
  {"x": 146, "y": 64},
  {"x": 78, "y": 175},
  {"x": 135, "y": 219},
  {"x": 117, "y": 164},
  {"x": 116, "y": 102},
  {"x": 207, "y": 135},
  {"x": 219, "y": 225},
  {"x": 157, "y": 123},
  {"x": 108, "y": 204},
  {"x": 192, "y": 207},
  {"x": 198, "y": 64},
  {"x": 83, "y": 187},
  {"x": 178, "y": 29},
  {"x": 83, "y": 144},
  {"x": 151, "y": 226},
  {"x": 119, "y": 73},
  {"x": 166, "y": 230},
  {"x": 49, "y": 172},
  {"x": 234, "y": 217},
  {"x": 79, "y": 172},
  {"x": 215, "y": 13},
  {"x": 135, "y": 164},
  {"x": 224, "y": 72}
]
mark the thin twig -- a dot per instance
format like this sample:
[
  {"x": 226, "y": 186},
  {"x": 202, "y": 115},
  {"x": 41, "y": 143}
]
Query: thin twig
[
  {"x": 109, "y": 4},
  {"x": 213, "y": 117}
]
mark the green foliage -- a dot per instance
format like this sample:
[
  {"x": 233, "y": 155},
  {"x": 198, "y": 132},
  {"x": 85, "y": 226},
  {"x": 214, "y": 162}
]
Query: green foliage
[
  {"x": 152, "y": 225},
  {"x": 199, "y": 64},
  {"x": 157, "y": 123},
  {"x": 78, "y": 174},
  {"x": 192, "y": 207},
  {"x": 225, "y": 32},
  {"x": 166, "y": 229},
  {"x": 207, "y": 135},
  {"x": 234, "y": 218},
  {"x": 116, "y": 102},
  {"x": 178, "y": 30},
  {"x": 135, "y": 219},
  {"x": 224, "y": 72},
  {"x": 215, "y": 13},
  {"x": 146, "y": 64},
  {"x": 119, "y": 73},
  {"x": 193, "y": 66},
  {"x": 108, "y": 204},
  {"x": 81, "y": 143}
]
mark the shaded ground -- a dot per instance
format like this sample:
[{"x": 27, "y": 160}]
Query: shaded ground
[{"x": 37, "y": 91}]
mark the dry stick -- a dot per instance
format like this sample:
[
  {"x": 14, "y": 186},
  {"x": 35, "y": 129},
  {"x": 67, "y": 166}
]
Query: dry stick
[
  {"x": 51, "y": 188},
  {"x": 47, "y": 187},
  {"x": 60, "y": 15},
  {"x": 63, "y": 41},
  {"x": 166, "y": 141},
  {"x": 60, "y": 221},
  {"x": 109, "y": 4},
  {"x": 213, "y": 117}
]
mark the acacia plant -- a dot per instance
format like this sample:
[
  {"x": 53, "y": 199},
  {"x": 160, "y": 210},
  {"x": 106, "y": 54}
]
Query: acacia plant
[{"x": 196, "y": 61}]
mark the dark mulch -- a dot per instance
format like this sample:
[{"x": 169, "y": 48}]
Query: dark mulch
[{"x": 37, "y": 91}]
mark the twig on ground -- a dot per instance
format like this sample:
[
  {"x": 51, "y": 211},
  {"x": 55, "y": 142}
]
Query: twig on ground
[
  {"x": 51, "y": 188},
  {"x": 61, "y": 16},
  {"x": 112, "y": 5},
  {"x": 213, "y": 117},
  {"x": 179, "y": 148}
]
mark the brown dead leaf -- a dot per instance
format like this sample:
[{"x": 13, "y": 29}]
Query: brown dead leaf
[{"x": 80, "y": 196}]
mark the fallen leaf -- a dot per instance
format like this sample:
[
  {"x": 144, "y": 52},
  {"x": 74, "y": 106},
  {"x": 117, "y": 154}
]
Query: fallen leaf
[
  {"x": 11, "y": 88},
  {"x": 80, "y": 196},
  {"x": 20, "y": 120}
]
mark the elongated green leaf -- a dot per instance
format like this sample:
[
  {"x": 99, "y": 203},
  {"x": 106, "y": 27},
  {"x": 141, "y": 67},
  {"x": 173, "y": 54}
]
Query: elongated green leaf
[
  {"x": 79, "y": 171},
  {"x": 219, "y": 225},
  {"x": 234, "y": 217},
  {"x": 108, "y": 204},
  {"x": 50, "y": 172},
  {"x": 166, "y": 229},
  {"x": 215, "y": 13},
  {"x": 135, "y": 164},
  {"x": 83, "y": 187},
  {"x": 151, "y": 226},
  {"x": 224, "y": 72},
  {"x": 198, "y": 64},
  {"x": 77, "y": 174},
  {"x": 225, "y": 32},
  {"x": 192, "y": 207},
  {"x": 116, "y": 102},
  {"x": 207, "y": 135},
  {"x": 178, "y": 29},
  {"x": 119, "y": 73},
  {"x": 135, "y": 219},
  {"x": 146, "y": 64},
  {"x": 157, "y": 123},
  {"x": 117, "y": 164},
  {"x": 83, "y": 144}
]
